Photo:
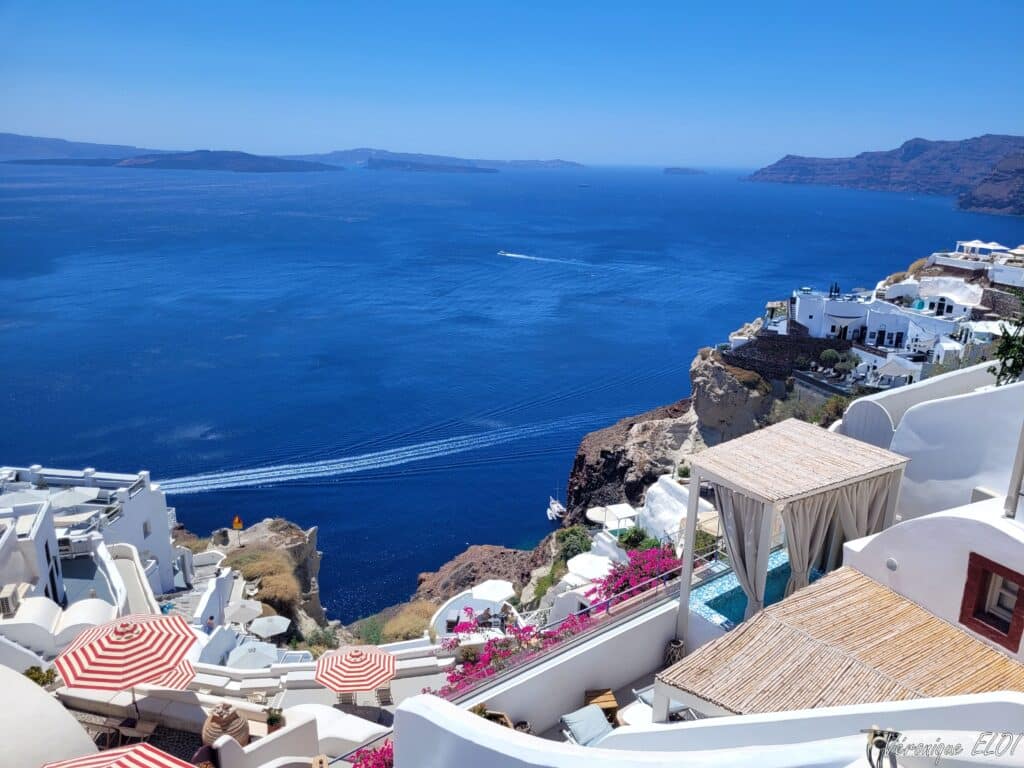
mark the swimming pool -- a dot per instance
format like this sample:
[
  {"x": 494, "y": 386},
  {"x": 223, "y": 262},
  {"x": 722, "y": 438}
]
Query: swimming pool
[{"x": 723, "y": 602}]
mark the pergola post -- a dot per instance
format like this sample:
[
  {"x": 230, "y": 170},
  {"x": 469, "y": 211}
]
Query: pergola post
[
  {"x": 764, "y": 548},
  {"x": 686, "y": 574}
]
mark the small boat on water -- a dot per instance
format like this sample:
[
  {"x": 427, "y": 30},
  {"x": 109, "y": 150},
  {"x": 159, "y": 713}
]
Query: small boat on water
[{"x": 555, "y": 509}]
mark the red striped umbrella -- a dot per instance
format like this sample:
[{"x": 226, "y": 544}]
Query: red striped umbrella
[
  {"x": 177, "y": 679},
  {"x": 135, "y": 756},
  {"x": 126, "y": 652},
  {"x": 358, "y": 668}
]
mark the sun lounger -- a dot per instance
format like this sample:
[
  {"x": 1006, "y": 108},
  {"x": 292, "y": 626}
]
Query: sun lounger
[{"x": 586, "y": 726}]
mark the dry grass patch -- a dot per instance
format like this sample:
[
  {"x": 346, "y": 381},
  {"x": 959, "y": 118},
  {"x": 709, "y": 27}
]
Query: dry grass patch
[
  {"x": 409, "y": 623},
  {"x": 275, "y": 571}
]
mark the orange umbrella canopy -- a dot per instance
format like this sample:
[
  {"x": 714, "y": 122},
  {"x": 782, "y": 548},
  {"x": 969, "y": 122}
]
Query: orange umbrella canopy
[{"x": 358, "y": 668}]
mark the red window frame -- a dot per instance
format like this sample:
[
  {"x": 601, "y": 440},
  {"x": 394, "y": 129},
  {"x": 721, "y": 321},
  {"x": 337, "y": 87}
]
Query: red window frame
[{"x": 979, "y": 572}]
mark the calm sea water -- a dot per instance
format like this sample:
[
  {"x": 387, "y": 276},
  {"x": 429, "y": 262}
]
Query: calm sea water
[{"x": 349, "y": 350}]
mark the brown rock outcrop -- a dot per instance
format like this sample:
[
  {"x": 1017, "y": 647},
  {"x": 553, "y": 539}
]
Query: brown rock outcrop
[
  {"x": 300, "y": 546},
  {"x": 478, "y": 563},
  {"x": 618, "y": 463},
  {"x": 728, "y": 401}
]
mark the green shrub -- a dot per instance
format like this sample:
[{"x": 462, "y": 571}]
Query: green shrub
[
  {"x": 371, "y": 630},
  {"x": 553, "y": 576},
  {"x": 683, "y": 472},
  {"x": 829, "y": 358},
  {"x": 41, "y": 677},
  {"x": 323, "y": 636},
  {"x": 572, "y": 541},
  {"x": 637, "y": 538},
  {"x": 833, "y": 410}
]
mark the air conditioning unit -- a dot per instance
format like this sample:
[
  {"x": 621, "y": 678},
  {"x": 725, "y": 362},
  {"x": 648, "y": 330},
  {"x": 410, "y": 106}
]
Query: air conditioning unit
[{"x": 9, "y": 601}]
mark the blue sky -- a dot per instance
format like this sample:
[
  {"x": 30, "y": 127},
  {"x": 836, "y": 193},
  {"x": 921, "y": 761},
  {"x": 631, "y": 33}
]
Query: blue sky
[{"x": 715, "y": 84}]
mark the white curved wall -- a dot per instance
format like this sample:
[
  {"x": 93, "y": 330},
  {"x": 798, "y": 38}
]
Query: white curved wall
[
  {"x": 956, "y": 444},
  {"x": 864, "y": 422},
  {"x": 664, "y": 507},
  {"x": 431, "y": 733}
]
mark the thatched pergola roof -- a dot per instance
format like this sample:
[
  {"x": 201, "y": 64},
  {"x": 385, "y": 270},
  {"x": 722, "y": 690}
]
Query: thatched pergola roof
[
  {"x": 792, "y": 459},
  {"x": 845, "y": 639}
]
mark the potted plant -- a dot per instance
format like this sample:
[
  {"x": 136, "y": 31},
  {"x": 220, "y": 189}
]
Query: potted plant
[
  {"x": 275, "y": 720},
  {"x": 493, "y": 715}
]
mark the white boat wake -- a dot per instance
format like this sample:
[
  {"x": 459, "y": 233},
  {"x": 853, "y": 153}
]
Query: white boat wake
[
  {"x": 527, "y": 257},
  {"x": 431, "y": 449}
]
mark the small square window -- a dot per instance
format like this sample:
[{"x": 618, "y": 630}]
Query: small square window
[{"x": 990, "y": 606}]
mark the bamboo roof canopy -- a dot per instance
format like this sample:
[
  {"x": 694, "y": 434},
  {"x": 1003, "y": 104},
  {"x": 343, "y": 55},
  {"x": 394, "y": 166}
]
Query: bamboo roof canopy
[
  {"x": 845, "y": 639},
  {"x": 792, "y": 459}
]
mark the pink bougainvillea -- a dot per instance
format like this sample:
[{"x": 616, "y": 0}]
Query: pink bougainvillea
[
  {"x": 639, "y": 573},
  {"x": 518, "y": 644},
  {"x": 379, "y": 757}
]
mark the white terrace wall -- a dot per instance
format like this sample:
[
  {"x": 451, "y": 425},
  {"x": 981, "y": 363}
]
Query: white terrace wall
[
  {"x": 430, "y": 733},
  {"x": 957, "y": 444},
  {"x": 874, "y": 418},
  {"x": 929, "y": 556},
  {"x": 215, "y": 599},
  {"x": 612, "y": 659}
]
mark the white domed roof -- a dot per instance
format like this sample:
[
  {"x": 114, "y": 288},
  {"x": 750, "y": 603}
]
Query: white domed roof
[{"x": 49, "y": 732}]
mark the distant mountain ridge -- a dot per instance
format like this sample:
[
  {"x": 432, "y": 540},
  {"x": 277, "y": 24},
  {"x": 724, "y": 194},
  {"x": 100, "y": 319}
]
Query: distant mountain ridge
[
  {"x": 197, "y": 160},
  {"x": 14, "y": 146},
  {"x": 918, "y": 165},
  {"x": 1002, "y": 191},
  {"x": 362, "y": 157}
]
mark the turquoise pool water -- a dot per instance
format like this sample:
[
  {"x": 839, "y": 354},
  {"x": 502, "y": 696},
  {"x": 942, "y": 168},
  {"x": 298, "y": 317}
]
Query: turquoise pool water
[
  {"x": 722, "y": 601},
  {"x": 733, "y": 604}
]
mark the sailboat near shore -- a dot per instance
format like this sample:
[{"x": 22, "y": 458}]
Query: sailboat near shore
[{"x": 556, "y": 510}]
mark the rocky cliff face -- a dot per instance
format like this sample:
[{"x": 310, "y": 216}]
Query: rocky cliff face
[
  {"x": 1002, "y": 191},
  {"x": 919, "y": 165},
  {"x": 478, "y": 563},
  {"x": 617, "y": 463},
  {"x": 300, "y": 546},
  {"x": 728, "y": 401}
]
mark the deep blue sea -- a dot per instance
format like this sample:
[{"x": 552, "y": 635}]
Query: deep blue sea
[{"x": 349, "y": 350}]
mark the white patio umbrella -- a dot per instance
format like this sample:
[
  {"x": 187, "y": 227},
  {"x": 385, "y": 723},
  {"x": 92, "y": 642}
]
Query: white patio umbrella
[
  {"x": 244, "y": 611},
  {"x": 268, "y": 626},
  {"x": 253, "y": 656}
]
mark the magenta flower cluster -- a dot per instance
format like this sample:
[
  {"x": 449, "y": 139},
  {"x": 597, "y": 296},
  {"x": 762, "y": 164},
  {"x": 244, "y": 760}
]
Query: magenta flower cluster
[
  {"x": 519, "y": 644},
  {"x": 638, "y": 574},
  {"x": 379, "y": 757}
]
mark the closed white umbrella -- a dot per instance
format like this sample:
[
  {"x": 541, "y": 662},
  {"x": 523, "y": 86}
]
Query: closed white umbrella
[
  {"x": 253, "y": 656},
  {"x": 244, "y": 611},
  {"x": 268, "y": 626}
]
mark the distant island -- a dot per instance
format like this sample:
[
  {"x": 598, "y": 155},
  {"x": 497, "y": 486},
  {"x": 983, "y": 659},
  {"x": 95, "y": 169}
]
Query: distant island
[
  {"x": 48, "y": 151},
  {"x": 381, "y": 164},
  {"x": 363, "y": 157},
  {"x": 919, "y": 165},
  {"x": 197, "y": 160}
]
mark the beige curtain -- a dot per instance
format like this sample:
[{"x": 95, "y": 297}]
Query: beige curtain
[
  {"x": 860, "y": 512},
  {"x": 742, "y": 519},
  {"x": 862, "y": 507},
  {"x": 807, "y": 525}
]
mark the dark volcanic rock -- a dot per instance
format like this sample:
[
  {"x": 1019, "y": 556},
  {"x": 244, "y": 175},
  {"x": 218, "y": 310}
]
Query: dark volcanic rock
[
  {"x": 478, "y": 563},
  {"x": 1002, "y": 191},
  {"x": 919, "y": 165},
  {"x": 619, "y": 462}
]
